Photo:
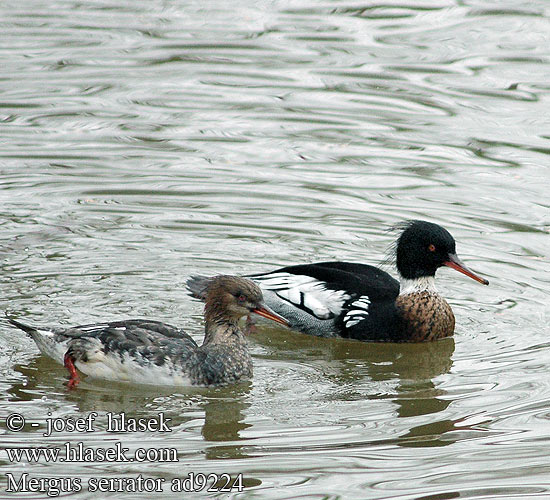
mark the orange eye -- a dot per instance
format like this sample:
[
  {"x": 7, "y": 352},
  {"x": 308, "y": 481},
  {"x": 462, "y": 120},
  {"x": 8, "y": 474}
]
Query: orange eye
[{"x": 431, "y": 247}]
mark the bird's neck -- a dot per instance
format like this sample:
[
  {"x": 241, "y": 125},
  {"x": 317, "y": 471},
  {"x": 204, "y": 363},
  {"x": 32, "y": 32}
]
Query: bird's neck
[
  {"x": 417, "y": 285},
  {"x": 219, "y": 327}
]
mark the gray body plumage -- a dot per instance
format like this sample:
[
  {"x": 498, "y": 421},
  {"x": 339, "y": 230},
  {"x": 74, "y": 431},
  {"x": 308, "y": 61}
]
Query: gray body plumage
[
  {"x": 144, "y": 351},
  {"x": 150, "y": 352}
]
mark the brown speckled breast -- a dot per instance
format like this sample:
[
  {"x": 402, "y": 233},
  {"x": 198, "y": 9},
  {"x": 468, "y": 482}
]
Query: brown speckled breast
[{"x": 426, "y": 316}]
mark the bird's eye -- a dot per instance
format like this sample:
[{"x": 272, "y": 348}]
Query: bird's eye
[
  {"x": 241, "y": 297},
  {"x": 431, "y": 247}
]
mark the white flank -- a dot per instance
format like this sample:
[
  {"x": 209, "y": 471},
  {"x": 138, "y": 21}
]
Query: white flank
[
  {"x": 112, "y": 367},
  {"x": 305, "y": 292}
]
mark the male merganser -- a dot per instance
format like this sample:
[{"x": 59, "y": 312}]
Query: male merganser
[
  {"x": 358, "y": 301},
  {"x": 151, "y": 352}
]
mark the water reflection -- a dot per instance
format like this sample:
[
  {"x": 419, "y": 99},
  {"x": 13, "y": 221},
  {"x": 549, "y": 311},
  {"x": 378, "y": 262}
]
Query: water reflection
[
  {"x": 412, "y": 367},
  {"x": 40, "y": 374},
  {"x": 224, "y": 421},
  {"x": 223, "y": 407},
  {"x": 224, "y": 418},
  {"x": 377, "y": 360},
  {"x": 404, "y": 374}
]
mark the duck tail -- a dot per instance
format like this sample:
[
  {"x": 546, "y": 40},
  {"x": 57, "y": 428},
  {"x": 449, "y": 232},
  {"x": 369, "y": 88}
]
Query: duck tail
[{"x": 30, "y": 330}]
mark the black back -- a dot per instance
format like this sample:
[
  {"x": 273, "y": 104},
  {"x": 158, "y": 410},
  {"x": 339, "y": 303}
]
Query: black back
[{"x": 355, "y": 279}]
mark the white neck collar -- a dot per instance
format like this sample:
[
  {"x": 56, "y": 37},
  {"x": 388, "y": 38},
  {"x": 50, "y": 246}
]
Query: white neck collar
[{"x": 423, "y": 284}]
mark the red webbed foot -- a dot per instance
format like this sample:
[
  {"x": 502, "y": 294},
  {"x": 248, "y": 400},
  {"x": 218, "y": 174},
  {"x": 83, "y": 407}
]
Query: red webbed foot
[{"x": 74, "y": 379}]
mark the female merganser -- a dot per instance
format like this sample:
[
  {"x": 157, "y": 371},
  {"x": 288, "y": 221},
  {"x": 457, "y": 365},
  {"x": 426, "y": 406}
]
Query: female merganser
[
  {"x": 151, "y": 352},
  {"x": 358, "y": 301}
]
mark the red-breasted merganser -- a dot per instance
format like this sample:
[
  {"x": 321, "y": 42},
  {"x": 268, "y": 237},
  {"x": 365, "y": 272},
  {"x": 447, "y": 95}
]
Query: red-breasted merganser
[
  {"x": 358, "y": 301},
  {"x": 150, "y": 352}
]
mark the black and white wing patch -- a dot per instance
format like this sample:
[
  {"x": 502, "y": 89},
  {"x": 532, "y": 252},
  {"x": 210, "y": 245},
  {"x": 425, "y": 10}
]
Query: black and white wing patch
[
  {"x": 358, "y": 311},
  {"x": 305, "y": 292}
]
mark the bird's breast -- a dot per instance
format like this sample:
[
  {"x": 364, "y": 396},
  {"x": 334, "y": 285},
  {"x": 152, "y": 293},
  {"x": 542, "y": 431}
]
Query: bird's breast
[{"x": 426, "y": 316}]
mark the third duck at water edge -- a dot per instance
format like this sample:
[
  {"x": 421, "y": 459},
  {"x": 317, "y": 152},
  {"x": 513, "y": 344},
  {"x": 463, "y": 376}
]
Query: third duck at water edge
[{"x": 359, "y": 301}]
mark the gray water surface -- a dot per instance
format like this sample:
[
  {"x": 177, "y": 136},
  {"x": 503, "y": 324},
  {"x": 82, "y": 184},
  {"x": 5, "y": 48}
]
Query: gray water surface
[{"x": 143, "y": 141}]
